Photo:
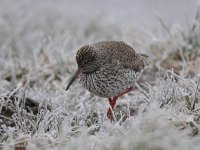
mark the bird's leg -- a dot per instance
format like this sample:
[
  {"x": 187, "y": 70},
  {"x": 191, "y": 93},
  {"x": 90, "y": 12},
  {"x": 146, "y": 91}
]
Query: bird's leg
[
  {"x": 126, "y": 91},
  {"x": 112, "y": 102}
]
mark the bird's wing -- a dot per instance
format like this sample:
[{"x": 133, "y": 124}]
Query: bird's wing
[
  {"x": 120, "y": 53},
  {"x": 124, "y": 55}
]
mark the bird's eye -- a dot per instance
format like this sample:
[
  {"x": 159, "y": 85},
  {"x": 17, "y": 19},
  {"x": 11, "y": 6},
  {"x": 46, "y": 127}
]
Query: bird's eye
[{"x": 87, "y": 61}]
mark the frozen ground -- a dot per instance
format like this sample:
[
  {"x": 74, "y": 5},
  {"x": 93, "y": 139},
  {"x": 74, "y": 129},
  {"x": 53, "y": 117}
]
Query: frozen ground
[{"x": 38, "y": 43}]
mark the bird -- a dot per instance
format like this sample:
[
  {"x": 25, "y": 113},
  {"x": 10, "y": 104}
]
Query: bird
[{"x": 108, "y": 69}]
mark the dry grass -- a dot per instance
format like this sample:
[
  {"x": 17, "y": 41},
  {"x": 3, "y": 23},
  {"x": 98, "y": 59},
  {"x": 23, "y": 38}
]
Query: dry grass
[{"x": 37, "y": 58}]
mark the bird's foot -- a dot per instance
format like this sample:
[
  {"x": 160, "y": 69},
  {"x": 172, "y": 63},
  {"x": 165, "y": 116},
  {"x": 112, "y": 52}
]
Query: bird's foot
[{"x": 112, "y": 102}]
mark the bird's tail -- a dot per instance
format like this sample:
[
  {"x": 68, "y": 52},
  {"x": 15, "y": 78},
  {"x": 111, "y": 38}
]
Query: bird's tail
[{"x": 145, "y": 59}]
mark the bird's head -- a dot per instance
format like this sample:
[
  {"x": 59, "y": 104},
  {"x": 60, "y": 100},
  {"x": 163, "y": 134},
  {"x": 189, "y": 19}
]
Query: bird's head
[{"x": 87, "y": 61}]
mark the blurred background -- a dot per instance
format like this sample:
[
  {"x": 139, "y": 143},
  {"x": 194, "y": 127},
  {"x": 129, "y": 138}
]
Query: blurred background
[{"x": 139, "y": 12}]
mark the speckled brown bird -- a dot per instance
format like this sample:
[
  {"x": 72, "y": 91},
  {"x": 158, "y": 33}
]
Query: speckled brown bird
[{"x": 108, "y": 69}]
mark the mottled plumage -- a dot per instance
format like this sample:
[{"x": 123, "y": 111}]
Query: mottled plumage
[{"x": 108, "y": 68}]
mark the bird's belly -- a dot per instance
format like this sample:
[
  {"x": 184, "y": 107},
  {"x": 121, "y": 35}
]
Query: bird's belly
[{"x": 109, "y": 84}]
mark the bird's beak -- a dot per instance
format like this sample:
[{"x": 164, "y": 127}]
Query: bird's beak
[{"x": 78, "y": 72}]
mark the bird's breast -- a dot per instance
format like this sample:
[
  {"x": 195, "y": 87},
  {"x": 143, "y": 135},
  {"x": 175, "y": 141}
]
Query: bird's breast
[{"x": 108, "y": 82}]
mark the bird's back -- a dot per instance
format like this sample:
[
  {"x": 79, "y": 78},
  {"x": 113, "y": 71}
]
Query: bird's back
[{"x": 120, "y": 53}]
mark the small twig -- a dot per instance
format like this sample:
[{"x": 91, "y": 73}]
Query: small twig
[
  {"x": 6, "y": 117},
  {"x": 1, "y": 104},
  {"x": 163, "y": 25},
  {"x": 187, "y": 83},
  {"x": 22, "y": 141},
  {"x": 196, "y": 97},
  {"x": 143, "y": 92},
  {"x": 21, "y": 84},
  {"x": 15, "y": 90},
  {"x": 25, "y": 85}
]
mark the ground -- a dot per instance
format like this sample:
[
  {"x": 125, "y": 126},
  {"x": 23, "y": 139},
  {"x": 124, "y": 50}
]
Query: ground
[{"x": 38, "y": 44}]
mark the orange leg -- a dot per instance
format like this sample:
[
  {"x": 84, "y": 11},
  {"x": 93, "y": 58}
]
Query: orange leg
[
  {"x": 126, "y": 91},
  {"x": 112, "y": 102}
]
